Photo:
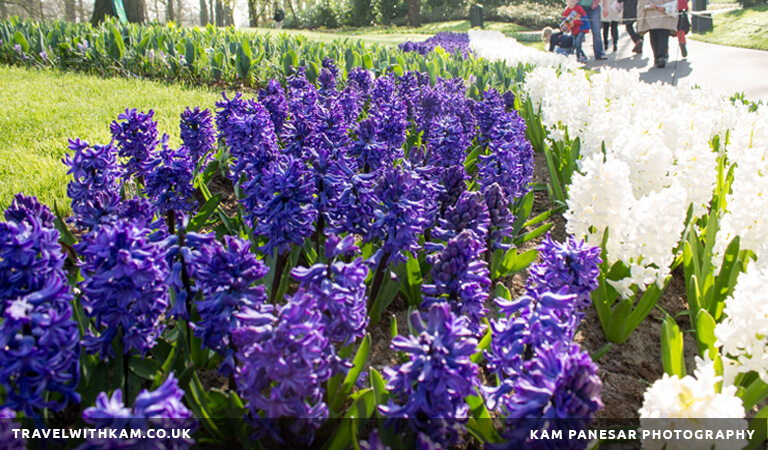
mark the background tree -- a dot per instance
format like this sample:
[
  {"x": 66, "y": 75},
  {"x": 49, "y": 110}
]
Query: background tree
[
  {"x": 69, "y": 11},
  {"x": 203, "y": 13},
  {"x": 361, "y": 15},
  {"x": 134, "y": 10},
  {"x": 101, "y": 9},
  {"x": 414, "y": 13},
  {"x": 169, "y": 13}
]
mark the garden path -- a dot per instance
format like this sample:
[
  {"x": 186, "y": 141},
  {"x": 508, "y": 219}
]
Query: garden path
[{"x": 724, "y": 69}]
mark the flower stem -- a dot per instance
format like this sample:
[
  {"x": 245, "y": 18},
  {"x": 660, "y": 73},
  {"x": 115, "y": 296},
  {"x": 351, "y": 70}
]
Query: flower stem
[
  {"x": 282, "y": 258},
  {"x": 378, "y": 278}
]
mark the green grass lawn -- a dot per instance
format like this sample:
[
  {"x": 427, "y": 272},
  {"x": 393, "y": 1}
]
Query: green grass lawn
[
  {"x": 392, "y": 35},
  {"x": 746, "y": 28},
  {"x": 42, "y": 109}
]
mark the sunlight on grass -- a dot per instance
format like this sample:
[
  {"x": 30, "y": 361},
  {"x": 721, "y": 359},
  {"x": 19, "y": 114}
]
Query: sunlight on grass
[
  {"x": 42, "y": 110},
  {"x": 746, "y": 28}
]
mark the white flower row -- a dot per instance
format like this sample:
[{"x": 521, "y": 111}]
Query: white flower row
[
  {"x": 646, "y": 156},
  {"x": 657, "y": 160}
]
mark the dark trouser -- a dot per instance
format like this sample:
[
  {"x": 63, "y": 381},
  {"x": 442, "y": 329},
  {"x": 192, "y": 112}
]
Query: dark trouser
[
  {"x": 631, "y": 31},
  {"x": 614, "y": 28},
  {"x": 659, "y": 43}
]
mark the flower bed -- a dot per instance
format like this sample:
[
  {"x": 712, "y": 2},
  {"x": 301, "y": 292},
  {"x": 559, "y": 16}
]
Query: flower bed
[
  {"x": 350, "y": 195},
  {"x": 678, "y": 149}
]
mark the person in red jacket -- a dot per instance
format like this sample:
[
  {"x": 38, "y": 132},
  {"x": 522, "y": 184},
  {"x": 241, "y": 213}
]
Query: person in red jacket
[{"x": 575, "y": 19}]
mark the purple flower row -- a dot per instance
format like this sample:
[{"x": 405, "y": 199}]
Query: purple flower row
[{"x": 450, "y": 41}]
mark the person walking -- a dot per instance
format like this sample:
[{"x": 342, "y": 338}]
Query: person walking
[
  {"x": 592, "y": 7},
  {"x": 630, "y": 15},
  {"x": 611, "y": 15},
  {"x": 683, "y": 26},
  {"x": 659, "y": 21},
  {"x": 278, "y": 17}
]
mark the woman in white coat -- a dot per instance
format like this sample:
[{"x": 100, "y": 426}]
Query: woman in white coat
[{"x": 611, "y": 16}]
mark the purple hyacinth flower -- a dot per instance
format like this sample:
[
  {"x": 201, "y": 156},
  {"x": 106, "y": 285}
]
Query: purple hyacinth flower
[
  {"x": 490, "y": 111},
  {"x": 569, "y": 267},
  {"x": 158, "y": 409},
  {"x": 355, "y": 209},
  {"x": 273, "y": 99},
  {"x": 400, "y": 213},
  {"x": 283, "y": 363},
  {"x": 438, "y": 377},
  {"x": 560, "y": 388},
  {"x": 197, "y": 134},
  {"x": 124, "y": 286},
  {"x": 509, "y": 100},
  {"x": 525, "y": 325},
  {"x": 94, "y": 189},
  {"x": 136, "y": 136},
  {"x": 23, "y": 206},
  {"x": 284, "y": 213},
  {"x": 39, "y": 351},
  {"x": 501, "y": 218},
  {"x": 510, "y": 159},
  {"x": 447, "y": 141},
  {"x": 7, "y": 427},
  {"x": 369, "y": 149},
  {"x": 390, "y": 112},
  {"x": 226, "y": 275},
  {"x": 30, "y": 255},
  {"x": 460, "y": 278},
  {"x": 454, "y": 180},
  {"x": 169, "y": 179},
  {"x": 339, "y": 289},
  {"x": 361, "y": 81},
  {"x": 469, "y": 213},
  {"x": 250, "y": 136}
]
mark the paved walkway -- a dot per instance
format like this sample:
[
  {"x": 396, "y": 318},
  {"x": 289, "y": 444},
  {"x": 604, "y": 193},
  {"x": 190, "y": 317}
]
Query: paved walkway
[{"x": 725, "y": 69}]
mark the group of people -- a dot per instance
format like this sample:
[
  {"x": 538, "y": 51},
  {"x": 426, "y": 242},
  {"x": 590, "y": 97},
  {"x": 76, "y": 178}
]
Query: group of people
[{"x": 601, "y": 17}]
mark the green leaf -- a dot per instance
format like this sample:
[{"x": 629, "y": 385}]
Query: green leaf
[
  {"x": 205, "y": 211},
  {"x": 480, "y": 423},
  {"x": 705, "y": 333},
  {"x": 379, "y": 387},
  {"x": 65, "y": 234},
  {"x": 672, "y": 348},
  {"x": 482, "y": 346},
  {"x": 514, "y": 263},
  {"x": 758, "y": 424},
  {"x": 618, "y": 321},
  {"x": 19, "y": 38},
  {"x": 367, "y": 61},
  {"x": 145, "y": 368},
  {"x": 413, "y": 271},
  {"x": 502, "y": 292},
  {"x": 353, "y": 374},
  {"x": 387, "y": 293}
]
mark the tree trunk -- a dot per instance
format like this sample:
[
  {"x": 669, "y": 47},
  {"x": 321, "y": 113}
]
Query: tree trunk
[
  {"x": 101, "y": 9},
  {"x": 69, "y": 11},
  {"x": 219, "y": 14},
  {"x": 253, "y": 19},
  {"x": 203, "y": 13},
  {"x": 293, "y": 13},
  {"x": 414, "y": 13},
  {"x": 211, "y": 16},
  {"x": 134, "y": 10},
  {"x": 80, "y": 11},
  {"x": 169, "y": 16},
  {"x": 3, "y": 11}
]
